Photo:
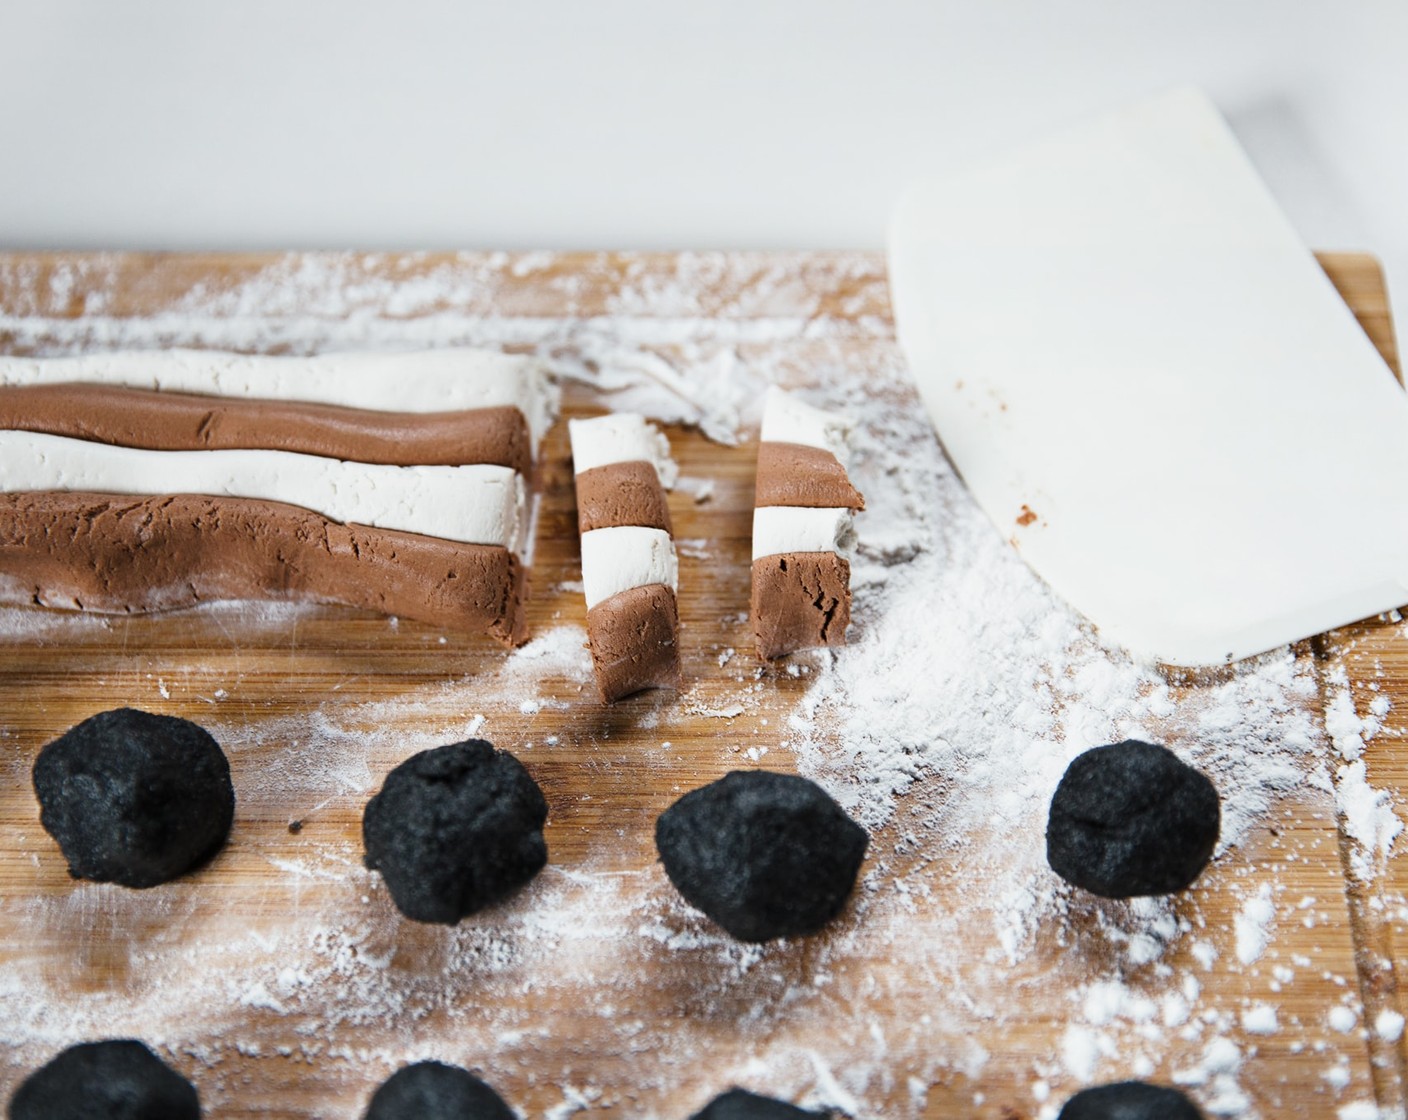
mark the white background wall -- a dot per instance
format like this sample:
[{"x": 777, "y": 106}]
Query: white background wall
[{"x": 646, "y": 123}]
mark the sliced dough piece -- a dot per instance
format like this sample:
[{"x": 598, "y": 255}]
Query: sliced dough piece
[
  {"x": 630, "y": 573},
  {"x": 803, "y": 528}
]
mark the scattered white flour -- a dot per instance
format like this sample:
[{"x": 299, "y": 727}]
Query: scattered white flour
[
  {"x": 944, "y": 727},
  {"x": 1254, "y": 925},
  {"x": 1366, "y": 813},
  {"x": 1388, "y": 1025},
  {"x": 693, "y": 548},
  {"x": 1080, "y": 1051},
  {"x": 1216, "y": 1074},
  {"x": 1338, "y": 1076},
  {"x": 1260, "y": 1019},
  {"x": 700, "y": 489}
]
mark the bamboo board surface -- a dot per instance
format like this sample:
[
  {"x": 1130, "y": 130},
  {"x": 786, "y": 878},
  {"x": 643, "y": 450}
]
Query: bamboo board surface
[{"x": 315, "y": 704}]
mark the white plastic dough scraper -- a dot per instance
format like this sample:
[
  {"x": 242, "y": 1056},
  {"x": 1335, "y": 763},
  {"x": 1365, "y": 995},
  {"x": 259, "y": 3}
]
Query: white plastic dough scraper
[{"x": 1151, "y": 387}]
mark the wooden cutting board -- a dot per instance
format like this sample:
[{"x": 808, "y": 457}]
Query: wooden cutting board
[{"x": 283, "y": 983}]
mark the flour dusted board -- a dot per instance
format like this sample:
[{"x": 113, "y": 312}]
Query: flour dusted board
[{"x": 962, "y": 981}]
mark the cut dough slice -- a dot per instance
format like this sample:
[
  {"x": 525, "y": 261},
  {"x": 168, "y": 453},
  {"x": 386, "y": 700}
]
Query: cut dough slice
[
  {"x": 801, "y": 573},
  {"x": 630, "y": 573}
]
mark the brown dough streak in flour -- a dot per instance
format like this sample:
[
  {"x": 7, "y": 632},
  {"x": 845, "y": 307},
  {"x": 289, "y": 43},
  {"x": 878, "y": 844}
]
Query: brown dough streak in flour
[
  {"x": 162, "y": 421},
  {"x": 634, "y": 639},
  {"x": 793, "y": 474},
  {"x": 119, "y": 553},
  {"x": 800, "y": 600},
  {"x": 621, "y": 494}
]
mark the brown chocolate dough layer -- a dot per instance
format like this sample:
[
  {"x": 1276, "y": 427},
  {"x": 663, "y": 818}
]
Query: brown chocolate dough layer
[
  {"x": 190, "y": 422},
  {"x": 634, "y": 638},
  {"x": 621, "y": 494},
  {"x": 121, "y": 553},
  {"x": 793, "y": 474},
  {"x": 800, "y": 600}
]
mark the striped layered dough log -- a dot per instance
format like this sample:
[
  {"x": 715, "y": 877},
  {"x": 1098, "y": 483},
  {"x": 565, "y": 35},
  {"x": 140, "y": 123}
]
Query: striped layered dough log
[
  {"x": 629, "y": 569},
  {"x": 803, "y": 529},
  {"x": 137, "y": 482}
]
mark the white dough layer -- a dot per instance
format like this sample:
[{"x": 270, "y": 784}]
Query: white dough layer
[
  {"x": 626, "y": 556},
  {"x": 779, "y": 529},
  {"x": 479, "y": 504},
  {"x": 789, "y": 419},
  {"x": 621, "y": 437},
  {"x": 444, "y": 380}
]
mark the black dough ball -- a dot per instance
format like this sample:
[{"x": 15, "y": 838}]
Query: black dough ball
[
  {"x": 1130, "y": 819},
  {"x": 765, "y": 855},
  {"x": 435, "y": 1091},
  {"x": 739, "y": 1104},
  {"x": 115, "y": 1080},
  {"x": 1129, "y": 1100},
  {"x": 455, "y": 829},
  {"x": 135, "y": 798}
]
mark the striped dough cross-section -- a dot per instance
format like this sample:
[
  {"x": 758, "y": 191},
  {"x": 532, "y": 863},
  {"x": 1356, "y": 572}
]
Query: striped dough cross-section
[
  {"x": 146, "y": 481},
  {"x": 802, "y": 528},
  {"x": 629, "y": 570}
]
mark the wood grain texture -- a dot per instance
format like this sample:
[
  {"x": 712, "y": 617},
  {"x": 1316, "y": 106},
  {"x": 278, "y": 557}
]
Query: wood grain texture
[
  {"x": 1369, "y": 660},
  {"x": 291, "y": 693}
]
